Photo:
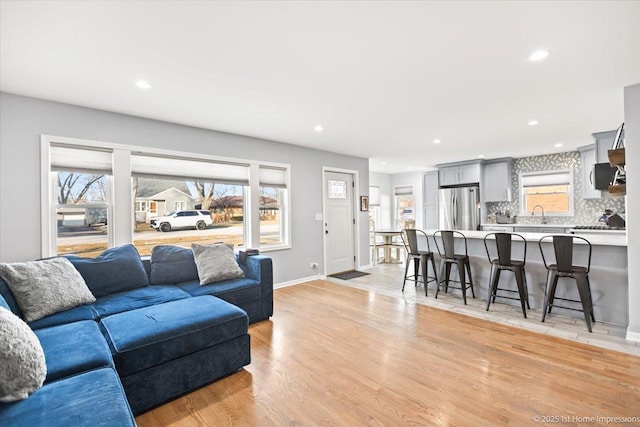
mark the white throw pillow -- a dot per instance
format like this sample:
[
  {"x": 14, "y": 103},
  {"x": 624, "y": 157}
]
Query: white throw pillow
[
  {"x": 22, "y": 364},
  {"x": 45, "y": 287},
  {"x": 215, "y": 263}
]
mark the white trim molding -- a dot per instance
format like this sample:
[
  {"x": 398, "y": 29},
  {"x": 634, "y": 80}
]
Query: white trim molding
[
  {"x": 298, "y": 281},
  {"x": 633, "y": 336}
]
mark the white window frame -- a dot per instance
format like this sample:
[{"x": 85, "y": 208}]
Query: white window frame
[
  {"x": 284, "y": 220},
  {"x": 141, "y": 206},
  {"x": 179, "y": 205},
  {"x": 395, "y": 201},
  {"x": 120, "y": 225},
  {"x": 542, "y": 174}
]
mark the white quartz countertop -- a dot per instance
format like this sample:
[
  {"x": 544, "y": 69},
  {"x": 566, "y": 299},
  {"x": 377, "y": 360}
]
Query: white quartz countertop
[{"x": 595, "y": 239}]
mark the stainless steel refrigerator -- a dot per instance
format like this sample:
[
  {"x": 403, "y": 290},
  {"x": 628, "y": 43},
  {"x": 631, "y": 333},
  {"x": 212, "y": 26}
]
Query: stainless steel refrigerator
[{"x": 459, "y": 207}]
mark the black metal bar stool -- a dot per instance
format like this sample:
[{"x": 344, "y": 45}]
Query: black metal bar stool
[
  {"x": 564, "y": 251},
  {"x": 504, "y": 261},
  {"x": 448, "y": 258},
  {"x": 419, "y": 251}
]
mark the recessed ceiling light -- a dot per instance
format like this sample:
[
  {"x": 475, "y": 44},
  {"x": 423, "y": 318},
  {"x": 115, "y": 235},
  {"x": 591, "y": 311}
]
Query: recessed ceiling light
[
  {"x": 558, "y": 144},
  {"x": 142, "y": 84},
  {"x": 436, "y": 141},
  {"x": 532, "y": 122},
  {"x": 384, "y": 163},
  {"x": 481, "y": 156},
  {"x": 538, "y": 55},
  {"x": 318, "y": 128},
  {"x": 409, "y": 167}
]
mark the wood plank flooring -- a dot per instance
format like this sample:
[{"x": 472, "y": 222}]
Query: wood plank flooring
[
  {"x": 386, "y": 279},
  {"x": 338, "y": 356}
]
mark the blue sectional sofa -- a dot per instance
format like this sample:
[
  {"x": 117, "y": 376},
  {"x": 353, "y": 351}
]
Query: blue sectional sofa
[{"x": 153, "y": 334}]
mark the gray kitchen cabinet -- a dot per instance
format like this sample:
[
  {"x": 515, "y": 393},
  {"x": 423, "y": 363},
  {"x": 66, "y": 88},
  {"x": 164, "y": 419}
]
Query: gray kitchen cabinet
[
  {"x": 544, "y": 230},
  {"x": 604, "y": 141},
  {"x": 498, "y": 228},
  {"x": 588, "y": 156},
  {"x": 430, "y": 186},
  {"x": 496, "y": 183},
  {"x": 455, "y": 174},
  {"x": 449, "y": 175},
  {"x": 430, "y": 217},
  {"x": 550, "y": 230}
]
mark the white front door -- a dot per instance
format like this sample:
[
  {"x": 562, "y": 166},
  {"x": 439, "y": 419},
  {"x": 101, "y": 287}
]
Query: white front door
[{"x": 339, "y": 222}]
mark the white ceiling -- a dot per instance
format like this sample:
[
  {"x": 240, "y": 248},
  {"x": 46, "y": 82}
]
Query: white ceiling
[{"x": 383, "y": 78}]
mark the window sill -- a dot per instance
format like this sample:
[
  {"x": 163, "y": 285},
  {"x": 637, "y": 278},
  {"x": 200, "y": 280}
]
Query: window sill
[{"x": 272, "y": 248}]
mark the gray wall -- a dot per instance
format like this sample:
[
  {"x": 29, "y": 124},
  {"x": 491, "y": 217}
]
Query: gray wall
[
  {"x": 632, "y": 140},
  {"x": 23, "y": 120}
]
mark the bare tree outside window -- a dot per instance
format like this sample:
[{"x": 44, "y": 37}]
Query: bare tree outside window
[
  {"x": 80, "y": 188},
  {"x": 204, "y": 192}
]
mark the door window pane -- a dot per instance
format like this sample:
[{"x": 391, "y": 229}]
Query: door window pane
[{"x": 337, "y": 189}]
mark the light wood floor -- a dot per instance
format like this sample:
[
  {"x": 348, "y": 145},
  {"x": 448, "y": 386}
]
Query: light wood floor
[
  {"x": 338, "y": 356},
  {"x": 386, "y": 279}
]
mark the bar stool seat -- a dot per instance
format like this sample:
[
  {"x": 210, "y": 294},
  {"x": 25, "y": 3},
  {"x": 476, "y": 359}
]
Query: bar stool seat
[
  {"x": 449, "y": 258},
  {"x": 564, "y": 250},
  {"x": 416, "y": 243},
  {"x": 504, "y": 261}
]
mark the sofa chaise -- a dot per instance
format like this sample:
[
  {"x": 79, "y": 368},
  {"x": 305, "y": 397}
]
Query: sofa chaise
[{"x": 153, "y": 333}]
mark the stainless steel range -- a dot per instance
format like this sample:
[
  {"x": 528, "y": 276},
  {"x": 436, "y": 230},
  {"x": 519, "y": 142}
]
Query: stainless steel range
[{"x": 597, "y": 229}]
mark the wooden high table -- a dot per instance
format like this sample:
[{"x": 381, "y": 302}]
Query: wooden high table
[{"x": 388, "y": 243}]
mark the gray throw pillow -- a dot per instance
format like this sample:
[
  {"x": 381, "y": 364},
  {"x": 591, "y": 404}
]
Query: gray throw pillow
[
  {"x": 215, "y": 263},
  {"x": 23, "y": 368},
  {"x": 45, "y": 287}
]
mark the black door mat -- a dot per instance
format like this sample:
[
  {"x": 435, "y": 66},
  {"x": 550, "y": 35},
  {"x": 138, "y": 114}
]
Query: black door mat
[{"x": 349, "y": 275}]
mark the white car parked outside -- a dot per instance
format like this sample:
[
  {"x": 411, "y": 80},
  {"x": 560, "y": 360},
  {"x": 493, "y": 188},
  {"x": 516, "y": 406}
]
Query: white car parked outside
[{"x": 182, "y": 219}]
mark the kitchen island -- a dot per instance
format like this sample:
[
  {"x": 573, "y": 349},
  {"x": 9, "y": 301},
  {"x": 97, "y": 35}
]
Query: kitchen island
[{"x": 608, "y": 275}]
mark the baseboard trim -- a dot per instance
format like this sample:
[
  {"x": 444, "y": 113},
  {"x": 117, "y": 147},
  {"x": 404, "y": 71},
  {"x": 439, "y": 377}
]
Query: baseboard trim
[
  {"x": 298, "y": 281},
  {"x": 633, "y": 336}
]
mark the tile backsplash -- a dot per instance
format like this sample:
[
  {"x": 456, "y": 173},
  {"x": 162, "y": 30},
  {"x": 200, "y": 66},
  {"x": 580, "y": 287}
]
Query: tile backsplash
[{"x": 587, "y": 211}]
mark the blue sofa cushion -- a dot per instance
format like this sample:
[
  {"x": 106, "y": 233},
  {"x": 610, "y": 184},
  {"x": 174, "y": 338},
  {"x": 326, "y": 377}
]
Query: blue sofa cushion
[
  {"x": 76, "y": 314},
  {"x": 95, "y": 398},
  {"x": 168, "y": 331},
  {"x": 172, "y": 264},
  {"x": 8, "y": 297},
  {"x": 114, "y": 270},
  {"x": 235, "y": 291},
  {"x": 137, "y": 298},
  {"x": 73, "y": 348},
  {"x": 4, "y": 304}
]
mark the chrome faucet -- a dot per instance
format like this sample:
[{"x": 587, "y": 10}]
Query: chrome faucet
[{"x": 544, "y": 220}]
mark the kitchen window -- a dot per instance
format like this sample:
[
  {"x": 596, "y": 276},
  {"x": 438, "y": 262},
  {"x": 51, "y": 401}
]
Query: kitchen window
[
  {"x": 550, "y": 192},
  {"x": 404, "y": 204}
]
